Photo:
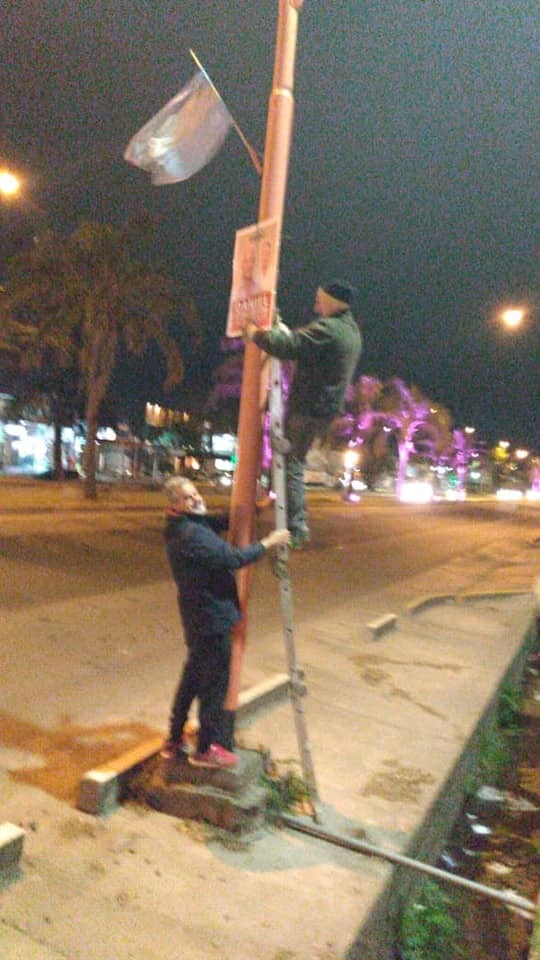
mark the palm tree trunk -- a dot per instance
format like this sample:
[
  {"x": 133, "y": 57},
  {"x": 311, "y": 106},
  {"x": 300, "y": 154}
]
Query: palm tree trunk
[
  {"x": 58, "y": 465},
  {"x": 403, "y": 460},
  {"x": 102, "y": 348},
  {"x": 90, "y": 459}
]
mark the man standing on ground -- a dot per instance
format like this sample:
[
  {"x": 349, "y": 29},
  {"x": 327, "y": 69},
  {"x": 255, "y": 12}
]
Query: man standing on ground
[
  {"x": 203, "y": 566},
  {"x": 326, "y": 352}
]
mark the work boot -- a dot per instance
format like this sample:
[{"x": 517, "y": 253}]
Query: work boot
[{"x": 300, "y": 538}]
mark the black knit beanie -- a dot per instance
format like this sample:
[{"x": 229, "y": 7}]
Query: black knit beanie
[{"x": 339, "y": 290}]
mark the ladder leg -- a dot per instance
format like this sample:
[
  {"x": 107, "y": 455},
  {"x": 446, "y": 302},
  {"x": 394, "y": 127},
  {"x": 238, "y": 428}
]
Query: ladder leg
[{"x": 297, "y": 686}]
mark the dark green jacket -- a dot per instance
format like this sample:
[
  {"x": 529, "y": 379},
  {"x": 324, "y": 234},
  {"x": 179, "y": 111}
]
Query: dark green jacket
[{"x": 326, "y": 352}]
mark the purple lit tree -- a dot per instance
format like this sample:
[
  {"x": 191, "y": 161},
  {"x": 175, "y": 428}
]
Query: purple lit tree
[
  {"x": 380, "y": 411},
  {"x": 419, "y": 426},
  {"x": 223, "y": 400},
  {"x": 462, "y": 453}
]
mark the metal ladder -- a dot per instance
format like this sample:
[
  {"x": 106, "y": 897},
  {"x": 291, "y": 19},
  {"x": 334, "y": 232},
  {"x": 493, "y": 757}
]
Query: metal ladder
[{"x": 298, "y": 689}]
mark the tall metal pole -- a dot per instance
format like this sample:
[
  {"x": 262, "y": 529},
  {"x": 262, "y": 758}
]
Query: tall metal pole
[{"x": 271, "y": 205}]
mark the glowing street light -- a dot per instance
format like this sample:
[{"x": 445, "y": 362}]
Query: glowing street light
[
  {"x": 352, "y": 485},
  {"x": 513, "y": 317},
  {"x": 501, "y": 451},
  {"x": 10, "y": 184},
  {"x": 350, "y": 459}
]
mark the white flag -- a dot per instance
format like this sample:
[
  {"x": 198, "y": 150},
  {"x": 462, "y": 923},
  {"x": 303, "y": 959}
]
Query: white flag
[{"x": 184, "y": 136}]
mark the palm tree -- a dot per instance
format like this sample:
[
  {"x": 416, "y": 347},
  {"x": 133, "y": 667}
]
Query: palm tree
[
  {"x": 418, "y": 425},
  {"x": 223, "y": 401},
  {"x": 36, "y": 340},
  {"x": 379, "y": 411},
  {"x": 72, "y": 303}
]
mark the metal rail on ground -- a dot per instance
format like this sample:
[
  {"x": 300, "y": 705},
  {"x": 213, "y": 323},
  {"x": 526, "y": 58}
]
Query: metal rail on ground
[{"x": 360, "y": 846}]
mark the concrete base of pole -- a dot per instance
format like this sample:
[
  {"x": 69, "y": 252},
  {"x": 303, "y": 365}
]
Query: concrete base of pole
[
  {"x": 232, "y": 799},
  {"x": 102, "y": 789}
]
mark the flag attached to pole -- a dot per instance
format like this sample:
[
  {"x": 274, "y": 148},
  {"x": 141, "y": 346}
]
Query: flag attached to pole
[{"x": 184, "y": 135}]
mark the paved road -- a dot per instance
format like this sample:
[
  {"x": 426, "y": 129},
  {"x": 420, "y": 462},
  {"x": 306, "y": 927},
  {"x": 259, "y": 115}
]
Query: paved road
[
  {"x": 67, "y": 552},
  {"x": 87, "y": 596}
]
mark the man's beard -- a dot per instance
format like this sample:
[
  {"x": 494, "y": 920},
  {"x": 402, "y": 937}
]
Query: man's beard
[{"x": 199, "y": 509}]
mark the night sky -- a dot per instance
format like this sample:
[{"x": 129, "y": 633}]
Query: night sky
[{"x": 413, "y": 171}]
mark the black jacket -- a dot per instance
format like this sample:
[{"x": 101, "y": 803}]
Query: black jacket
[{"x": 202, "y": 565}]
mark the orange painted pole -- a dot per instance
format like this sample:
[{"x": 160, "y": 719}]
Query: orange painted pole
[{"x": 271, "y": 205}]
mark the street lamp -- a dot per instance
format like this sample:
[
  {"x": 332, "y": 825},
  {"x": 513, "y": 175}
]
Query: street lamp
[
  {"x": 10, "y": 184},
  {"x": 513, "y": 317},
  {"x": 352, "y": 486}
]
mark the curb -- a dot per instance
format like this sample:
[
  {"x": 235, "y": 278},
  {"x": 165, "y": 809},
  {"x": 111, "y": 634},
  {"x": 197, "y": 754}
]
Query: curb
[
  {"x": 430, "y": 600},
  {"x": 11, "y": 845},
  {"x": 492, "y": 594},
  {"x": 262, "y": 697},
  {"x": 382, "y": 624},
  {"x": 101, "y": 789}
]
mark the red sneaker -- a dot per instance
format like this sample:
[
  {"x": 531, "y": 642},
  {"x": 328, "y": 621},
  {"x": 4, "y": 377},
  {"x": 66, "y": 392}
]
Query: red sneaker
[{"x": 216, "y": 757}]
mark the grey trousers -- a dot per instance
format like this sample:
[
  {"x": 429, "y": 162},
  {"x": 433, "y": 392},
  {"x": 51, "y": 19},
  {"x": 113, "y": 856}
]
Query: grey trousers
[{"x": 300, "y": 431}]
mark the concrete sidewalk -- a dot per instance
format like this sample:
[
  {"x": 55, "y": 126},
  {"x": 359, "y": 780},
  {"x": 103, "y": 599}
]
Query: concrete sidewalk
[
  {"x": 394, "y": 719},
  {"x": 140, "y": 885}
]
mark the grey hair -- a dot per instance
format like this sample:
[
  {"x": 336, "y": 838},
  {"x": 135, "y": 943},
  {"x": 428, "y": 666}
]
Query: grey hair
[{"x": 174, "y": 486}]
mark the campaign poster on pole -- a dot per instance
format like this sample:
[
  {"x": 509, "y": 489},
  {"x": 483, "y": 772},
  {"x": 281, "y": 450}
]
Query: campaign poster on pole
[{"x": 253, "y": 291}]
